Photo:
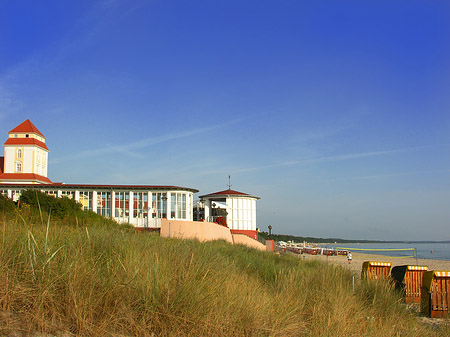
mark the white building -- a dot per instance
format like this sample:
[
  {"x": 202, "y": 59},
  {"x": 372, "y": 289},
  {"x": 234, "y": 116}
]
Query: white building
[
  {"x": 237, "y": 209},
  {"x": 24, "y": 166},
  {"x": 26, "y": 156}
]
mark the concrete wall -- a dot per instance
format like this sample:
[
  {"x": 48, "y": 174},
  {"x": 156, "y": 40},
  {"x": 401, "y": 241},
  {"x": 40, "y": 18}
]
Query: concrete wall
[
  {"x": 252, "y": 234},
  {"x": 245, "y": 240},
  {"x": 270, "y": 245},
  {"x": 201, "y": 230},
  {"x": 205, "y": 231}
]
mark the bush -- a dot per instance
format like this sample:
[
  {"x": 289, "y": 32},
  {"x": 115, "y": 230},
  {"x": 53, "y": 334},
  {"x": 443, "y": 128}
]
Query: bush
[
  {"x": 39, "y": 205},
  {"x": 6, "y": 204},
  {"x": 47, "y": 204}
]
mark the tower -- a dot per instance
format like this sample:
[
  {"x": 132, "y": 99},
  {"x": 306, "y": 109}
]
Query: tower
[{"x": 26, "y": 156}]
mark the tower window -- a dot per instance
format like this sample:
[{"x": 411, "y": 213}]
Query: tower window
[
  {"x": 18, "y": 167},
  {"x": 19, "y": 153},
  {"x": 27, "y": 135}
]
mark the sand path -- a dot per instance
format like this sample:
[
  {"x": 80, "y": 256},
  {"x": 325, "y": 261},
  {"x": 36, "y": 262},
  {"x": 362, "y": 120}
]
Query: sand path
[{"x": 359, "y": 258}]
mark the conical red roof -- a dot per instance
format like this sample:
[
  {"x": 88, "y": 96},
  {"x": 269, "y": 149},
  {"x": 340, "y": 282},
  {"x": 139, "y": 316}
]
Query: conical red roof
[{"x": 26, "y": 127}]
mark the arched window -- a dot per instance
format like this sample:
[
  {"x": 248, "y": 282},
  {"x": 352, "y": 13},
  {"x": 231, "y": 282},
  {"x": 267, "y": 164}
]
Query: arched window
[{"x": 19, "y": 153}]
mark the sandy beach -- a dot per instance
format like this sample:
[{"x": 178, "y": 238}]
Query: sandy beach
[{"x": 359, "y": 258}]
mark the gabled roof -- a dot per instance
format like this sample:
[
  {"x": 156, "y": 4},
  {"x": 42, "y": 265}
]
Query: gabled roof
[
  {"x": 228, "y": 193},
  {"x": 2, "y": 163},
  {"x": 26, "y": 127},
  {"x": 25, "y": 141},
  {"x": 24, "y": 176}
]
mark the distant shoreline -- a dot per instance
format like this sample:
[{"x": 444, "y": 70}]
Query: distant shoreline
[
  {"x": 300, "y": 239},
  {"x": 359, "y": 258},
  {"x": 433, "y": 251}
]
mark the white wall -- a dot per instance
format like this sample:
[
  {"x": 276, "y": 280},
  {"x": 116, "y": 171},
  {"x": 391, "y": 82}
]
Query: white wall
[
  {"x": 34, "y": 159},
  {"x": 241, "y": 213},
  {"x": 9, "y": 159}
]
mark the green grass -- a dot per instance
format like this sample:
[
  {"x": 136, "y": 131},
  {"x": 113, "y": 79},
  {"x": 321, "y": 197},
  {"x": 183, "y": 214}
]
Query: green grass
[{"x": 109, "y": 280}]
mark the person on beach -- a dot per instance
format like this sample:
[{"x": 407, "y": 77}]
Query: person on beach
[{"x": 349, "y": 257}]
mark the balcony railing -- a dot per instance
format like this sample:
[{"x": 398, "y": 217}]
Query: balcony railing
[{"x": 221, "y": 220}]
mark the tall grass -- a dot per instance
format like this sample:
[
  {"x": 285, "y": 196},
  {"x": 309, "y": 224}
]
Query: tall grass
[{"x": 112, "y": 281}]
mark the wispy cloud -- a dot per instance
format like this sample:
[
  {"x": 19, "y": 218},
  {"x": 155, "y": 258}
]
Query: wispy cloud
[
  {"x": 129, "y": 149},
  {"x": 399, "y": 174},
  {"x": 85, "y": 31},
  {"x": 335, "y": 158},
  {"x": 307, "y": 136},
  {"x": 45, "y": 60},
  {"x": 9, "y": 104}
]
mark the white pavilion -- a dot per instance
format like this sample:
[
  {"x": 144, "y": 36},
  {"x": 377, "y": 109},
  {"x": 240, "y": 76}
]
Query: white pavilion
[{"x": 235, "y": 209}]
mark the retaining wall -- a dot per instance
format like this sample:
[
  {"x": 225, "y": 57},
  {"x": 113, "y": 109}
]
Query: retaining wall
[
  {"x": 200, "y": 230},
  {"x": 245, "y": 240}
]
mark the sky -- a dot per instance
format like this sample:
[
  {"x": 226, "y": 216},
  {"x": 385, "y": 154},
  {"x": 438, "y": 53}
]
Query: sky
[{"x": 335, "y": 113}]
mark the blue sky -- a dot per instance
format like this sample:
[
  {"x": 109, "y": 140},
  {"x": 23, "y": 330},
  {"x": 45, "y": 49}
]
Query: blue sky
[{"x": 335, "y": 113}]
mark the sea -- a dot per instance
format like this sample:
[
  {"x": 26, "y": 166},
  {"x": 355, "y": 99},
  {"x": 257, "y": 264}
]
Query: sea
[{"x": 434, "y": 251}]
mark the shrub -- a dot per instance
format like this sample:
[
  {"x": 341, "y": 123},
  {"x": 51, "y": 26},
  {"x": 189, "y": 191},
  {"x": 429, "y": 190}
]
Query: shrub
[
  {"x": 47, "y": 204},
  {"x": 6, "y": 204}
]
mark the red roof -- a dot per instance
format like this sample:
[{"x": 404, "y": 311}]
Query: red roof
[
  {"x": 24, "y": 176},
  {"x": 26, "y": 141},
  {"x": 2, "y": 163},
  {"x": 126, "y": 187},
  {"x": 105, "y": 187},
  {"x": 228, "y": 193},
  {"x": 26, "y": 127}
]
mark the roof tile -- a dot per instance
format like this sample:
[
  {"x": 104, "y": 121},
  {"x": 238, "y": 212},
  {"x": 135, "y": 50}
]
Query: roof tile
[
  {"x": 228, "y": 192},
  {"x": 25, "y": 141},
  {"x": 24, "y": 176},
  {"x": 25, "y": 127}
]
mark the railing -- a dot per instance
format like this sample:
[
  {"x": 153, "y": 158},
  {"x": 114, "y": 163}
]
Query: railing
[
  {"x": 261, "y": 239},
  {"x": 221, "y": 220},
  {"x": 148, "y": 223}
]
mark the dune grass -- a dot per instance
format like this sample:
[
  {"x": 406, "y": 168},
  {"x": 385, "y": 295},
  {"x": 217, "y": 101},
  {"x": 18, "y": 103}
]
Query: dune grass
[{"x": 109, "y": 280}]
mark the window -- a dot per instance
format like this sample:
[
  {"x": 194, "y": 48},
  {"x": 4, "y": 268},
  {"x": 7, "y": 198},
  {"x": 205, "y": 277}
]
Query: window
[
  {"x": 68, "y": 194},
  {"x": 104, "y": 203},
  {"x": 86, "y": 200},
  {"x": 122, "y": 204},
  {"x": 19, "y": 153},
  {"x": 140, "y": 205},
  {"x": 178, "y": 205},
  {"x": 159, "y": 205},
  {"x": 53, "y": 193},
  {"x": 18, "y": 167},
  {"x": 27, "y": 135}
]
